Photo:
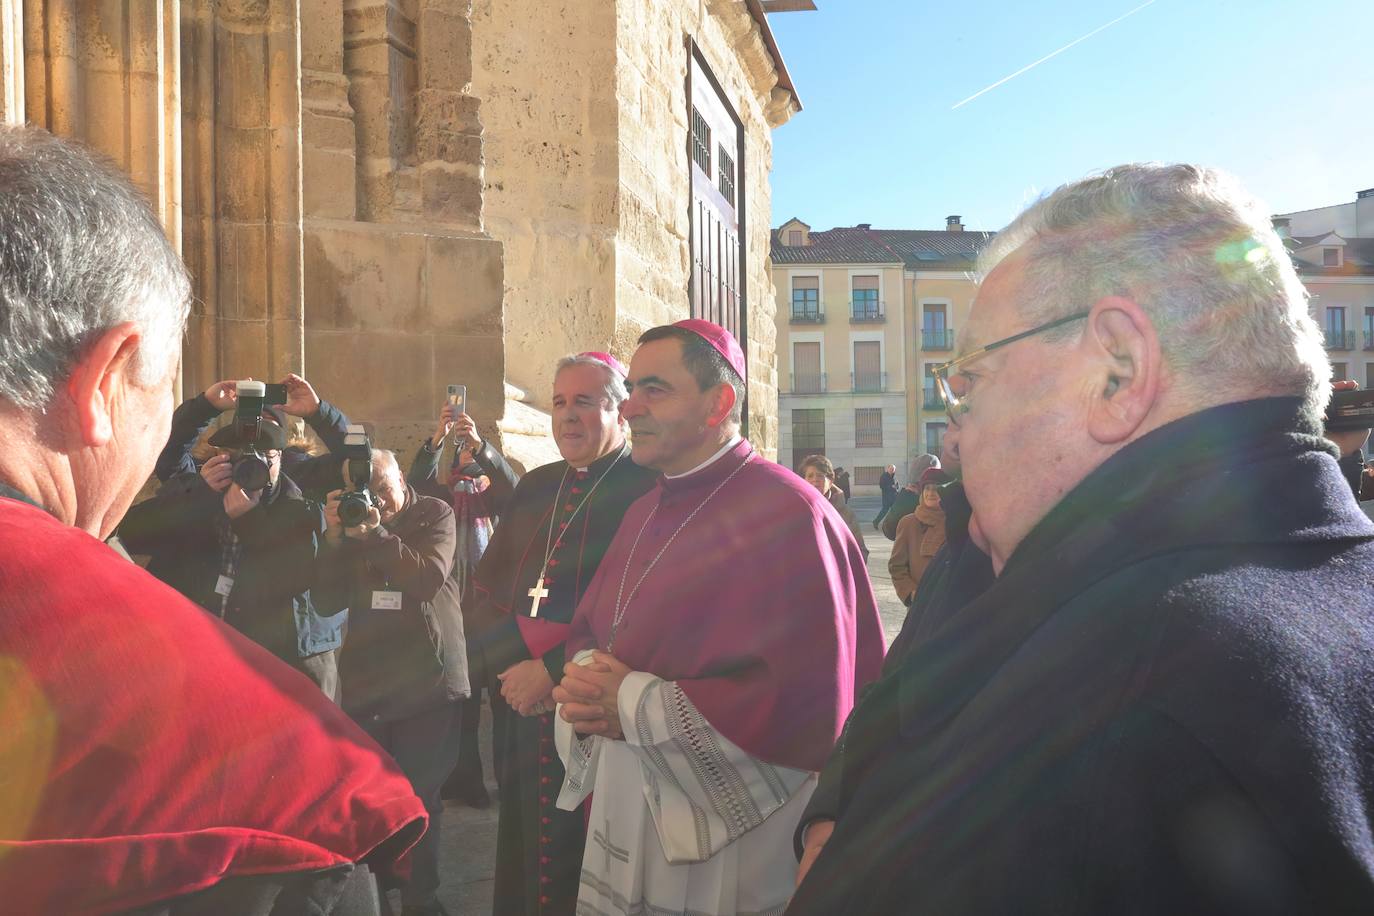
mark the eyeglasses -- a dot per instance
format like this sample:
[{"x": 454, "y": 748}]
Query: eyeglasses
[{"x": 958, "y": 404}]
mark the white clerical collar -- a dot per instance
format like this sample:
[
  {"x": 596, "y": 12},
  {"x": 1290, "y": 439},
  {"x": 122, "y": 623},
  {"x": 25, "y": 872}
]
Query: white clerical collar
[{"x": 734, "y": 440}]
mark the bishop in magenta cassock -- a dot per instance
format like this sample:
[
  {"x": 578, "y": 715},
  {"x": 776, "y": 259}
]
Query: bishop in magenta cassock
[
  {"x": 551, "y": 539},
  {"x": 714, "y": 657}
]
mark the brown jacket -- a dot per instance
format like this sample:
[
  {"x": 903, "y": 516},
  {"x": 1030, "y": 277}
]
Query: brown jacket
[
  {"x": 837, "y": 499},
  {"x": 919, "y": 537}
]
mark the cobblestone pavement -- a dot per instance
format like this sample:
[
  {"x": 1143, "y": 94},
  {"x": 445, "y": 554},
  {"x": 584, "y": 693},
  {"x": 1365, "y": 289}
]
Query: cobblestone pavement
[{"x": 468, "y": 843}]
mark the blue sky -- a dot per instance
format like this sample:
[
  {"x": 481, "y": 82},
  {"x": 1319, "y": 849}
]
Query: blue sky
[{"x": 1271, "y": 90}]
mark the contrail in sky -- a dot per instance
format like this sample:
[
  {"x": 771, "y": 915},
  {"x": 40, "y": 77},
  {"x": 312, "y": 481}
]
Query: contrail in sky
[{"x": 1053, "y": 54}]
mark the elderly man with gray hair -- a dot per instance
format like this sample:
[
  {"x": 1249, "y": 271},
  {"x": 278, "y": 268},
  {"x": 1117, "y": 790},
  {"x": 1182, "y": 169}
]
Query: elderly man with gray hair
[
  {"x": 403, "y": 669},
  {"x": 1165, "y": 701},
  {"x": 151, "y": 757}
]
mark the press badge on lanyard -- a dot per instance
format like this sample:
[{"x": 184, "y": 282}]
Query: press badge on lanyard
[
  {"x": 386, "y": 601},
  {"x": 224, "y": 586}
]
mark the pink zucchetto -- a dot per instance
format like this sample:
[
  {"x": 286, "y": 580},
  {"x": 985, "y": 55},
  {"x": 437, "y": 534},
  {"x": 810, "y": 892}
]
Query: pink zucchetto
[
  {"x": 721, "y": 340},
  {"x": 611, "y": 362}
]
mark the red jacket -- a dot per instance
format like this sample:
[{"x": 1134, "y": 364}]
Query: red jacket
[{"x": 149, "y": 751}]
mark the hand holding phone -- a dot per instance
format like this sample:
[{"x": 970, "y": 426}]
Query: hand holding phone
[{"x": 458, "y": 398}]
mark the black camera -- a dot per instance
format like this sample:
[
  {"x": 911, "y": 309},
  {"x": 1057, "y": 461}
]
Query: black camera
[
  {"x": 251, "y": 467},
  {"x": 251, "y": 471},
  {"x": 357, "y": 454}
]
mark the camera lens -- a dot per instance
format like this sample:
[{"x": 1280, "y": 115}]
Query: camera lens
[
  {"x": 353, "y": 508},
  {"x": 250, "y": 472}
]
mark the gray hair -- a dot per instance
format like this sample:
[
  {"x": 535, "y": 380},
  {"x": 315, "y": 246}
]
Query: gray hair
[
  {"x": 705, "y": 363},
  {"x": 1198, "y": 253},
  {"x": 80, "y": 252},
  {"x": 383, "y": 461},
  {"x": 615, "y": 385}
]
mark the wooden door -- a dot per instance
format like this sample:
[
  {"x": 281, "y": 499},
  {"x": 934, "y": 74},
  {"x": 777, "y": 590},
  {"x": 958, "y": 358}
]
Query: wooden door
[{"x": 715, "y": 140}]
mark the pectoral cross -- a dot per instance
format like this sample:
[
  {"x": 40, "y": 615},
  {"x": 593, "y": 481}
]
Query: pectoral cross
[{"x": 538, "y": 593}]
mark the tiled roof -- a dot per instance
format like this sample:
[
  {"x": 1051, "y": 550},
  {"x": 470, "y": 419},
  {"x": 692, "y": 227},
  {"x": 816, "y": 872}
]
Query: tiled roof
[
  {"x": 922, "y": 248},
  {"x": 917, "y": 249},
  {"x": 1295, "y": 242},
  {"x": 1357, "y": 260}
]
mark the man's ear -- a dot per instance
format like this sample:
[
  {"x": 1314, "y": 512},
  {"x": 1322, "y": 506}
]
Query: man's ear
[
  {"x": 98, "y": 381},
  {"x": 1124, "y": 351},
  {"x": 724, "y": 403}
]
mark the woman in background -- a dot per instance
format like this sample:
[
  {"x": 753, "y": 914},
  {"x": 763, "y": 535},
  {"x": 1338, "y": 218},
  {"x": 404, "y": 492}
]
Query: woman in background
[{"x": 820, "y": 473}]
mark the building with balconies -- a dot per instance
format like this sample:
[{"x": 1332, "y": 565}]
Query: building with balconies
[
  {"x": 863, "y": 315},
  {"x": 1333, "y": 250}
]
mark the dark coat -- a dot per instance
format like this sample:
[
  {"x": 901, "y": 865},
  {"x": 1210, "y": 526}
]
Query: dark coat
[
  {"x": 424, "y": 476},
  {"x": 270, "y": 601},
  {"x": 539, "y": 847},
  {"x": 903, "y": 504},
  {"x": 958, "y": 574},
  {"x": 842, "y": 481},
  {"x": 398, "y": 662},
  {"x": 513, "y": 559},
  {"x": 887, "y": 483},
  {"x": 1164, "y": 704}
]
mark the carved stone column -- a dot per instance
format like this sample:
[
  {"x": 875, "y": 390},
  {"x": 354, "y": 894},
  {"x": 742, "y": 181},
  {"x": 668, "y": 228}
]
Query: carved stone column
[
  {"x": 243, "y": 187},
  {"x": 104, "y": 72},
  {"x": 327, "y": 128},
  {"x": 380, "y": 61},
  {"x": 447, "y": 126}
]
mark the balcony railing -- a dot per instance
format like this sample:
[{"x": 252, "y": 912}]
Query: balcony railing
[
  {"x": 808, "y": 315},
  {"x": 868, "y": 381},
  {"x": 809, "y": 383},
  {"x": 1340, "y": 340},
  {"x": 937, "y": 339},
  {"x": 930, "y": 400},
  {"x": 1369, "y": 340},
  {"x": 867, "y": 312}
]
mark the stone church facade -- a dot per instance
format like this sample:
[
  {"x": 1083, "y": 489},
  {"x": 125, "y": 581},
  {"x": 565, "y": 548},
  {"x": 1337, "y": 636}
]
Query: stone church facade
[{"x": 389, "y": 196}]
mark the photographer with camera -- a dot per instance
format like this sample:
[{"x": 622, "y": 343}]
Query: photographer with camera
[
  {"x": 240, "y": 539},
  {"x": 479, "y": 485},
  {"x": 297, "y": 399},
  {"x": 387, "y": 558}
]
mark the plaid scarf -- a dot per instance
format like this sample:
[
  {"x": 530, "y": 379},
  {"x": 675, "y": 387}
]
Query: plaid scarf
[
  {"x": 231, "y": 548},
  {"x": 230, "y": 553}
]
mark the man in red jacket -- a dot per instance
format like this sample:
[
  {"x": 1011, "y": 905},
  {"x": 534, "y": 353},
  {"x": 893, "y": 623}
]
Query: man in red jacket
[{"x": 151, "y": 756}]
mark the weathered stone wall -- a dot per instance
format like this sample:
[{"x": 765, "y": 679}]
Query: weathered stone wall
[
  {"x": 652, "y": 251},
  {"x": 105, "y": 73},
  {"x": 587, "y": 173},
  {"x": 242, "y": 189},
  {"x": 402, "y": 288},
  {"x": 545, "y": 73},
  {"x": 320, "y": 163}
]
